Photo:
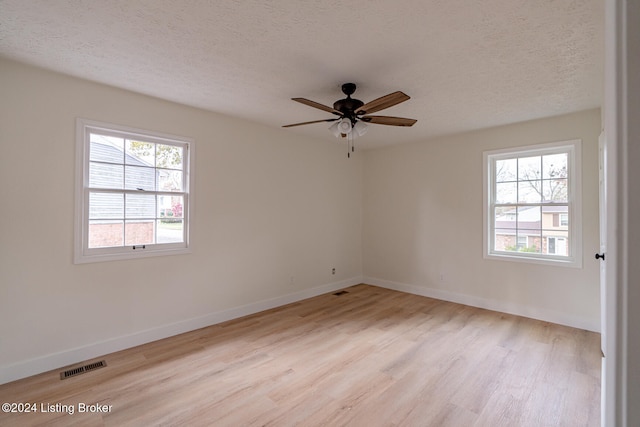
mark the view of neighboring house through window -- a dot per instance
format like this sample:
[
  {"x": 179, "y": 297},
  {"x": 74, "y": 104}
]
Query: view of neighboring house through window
[
  {"x": 532, "y": 203},
  {"x": 135, "y": 193}
]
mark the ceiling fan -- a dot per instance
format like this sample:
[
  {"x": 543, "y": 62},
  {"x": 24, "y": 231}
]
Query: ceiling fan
[{"x": 353, "y": 114}]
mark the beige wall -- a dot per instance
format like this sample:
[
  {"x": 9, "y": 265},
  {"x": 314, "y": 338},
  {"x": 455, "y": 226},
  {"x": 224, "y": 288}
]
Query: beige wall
[
  {"x": 269, "y": 205},
  {"x": 422, "y": 230}
]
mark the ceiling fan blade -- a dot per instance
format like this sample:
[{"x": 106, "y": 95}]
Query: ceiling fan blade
[
  {"x": 316, "y": 105},
  {"x": 383, "y": 102},
  {"x": 308, "y": 123},
  {"x": 388, "y": 120}
]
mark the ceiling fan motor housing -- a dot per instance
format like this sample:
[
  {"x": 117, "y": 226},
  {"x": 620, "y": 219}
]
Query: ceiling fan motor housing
[{"x": 348, "y": 106}]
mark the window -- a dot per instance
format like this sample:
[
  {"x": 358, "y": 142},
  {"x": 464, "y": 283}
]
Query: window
[
  {"x": 133, "y": 193},
  {"x": 532, "y": 204}
]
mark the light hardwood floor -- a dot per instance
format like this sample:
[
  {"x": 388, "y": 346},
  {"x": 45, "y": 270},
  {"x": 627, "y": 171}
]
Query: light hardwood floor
[{"x": 370, "y": 357}]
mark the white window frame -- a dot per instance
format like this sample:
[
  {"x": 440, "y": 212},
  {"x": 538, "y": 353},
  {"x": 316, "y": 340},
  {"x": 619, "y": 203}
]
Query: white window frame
[
  {"x": 82, "y": 252},
  {"x": 573, "y": 148}
]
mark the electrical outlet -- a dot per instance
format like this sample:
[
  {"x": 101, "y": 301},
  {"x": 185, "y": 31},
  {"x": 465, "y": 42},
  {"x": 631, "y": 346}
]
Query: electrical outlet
[
  {"x": 333, "y": 271},
  {"x": 291, "y": 279}
]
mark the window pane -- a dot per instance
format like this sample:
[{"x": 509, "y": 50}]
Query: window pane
[
  {"x": 529, "y": 217},
  {"x": 529, "y": 241},
  {"x": 506, "y": 170},
  {"x": 505, "y": 239},
  {"x": 106, "y": 205},
  {"x": 138, "y": 232},
  {"x": 506, "y": 192},
  {"x": 140, "y": 153},
  {"x": 103, "y": 234},
  {"x": 555, "y": 190},
  {"x": 168, "y": 156},
  {"x": 562, "y": 246},
  {"x": 555, "y": 165},
  {"x": 505, "y": 217},
  {"x": 529, "y": 168},
  {"x": 552, "y": 217},
  {"x": 170, "y": 231},
  {"x": 529, "y": 191},
  {"x": 139, "y": 178},
  {"x": 170, "y": 207},
  {"x": 140, "y": 206},
  {"x": 103, "y": 175},
  {"x": 169, "y": 180},
  {"x": 555, "y": 245},
  {"x": 106, "y": 149}
]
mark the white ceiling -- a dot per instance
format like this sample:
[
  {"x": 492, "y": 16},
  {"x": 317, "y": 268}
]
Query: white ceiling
[{"x": 465, "y": 64}]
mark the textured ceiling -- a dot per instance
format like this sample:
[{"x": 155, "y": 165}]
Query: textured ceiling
[{"x": 465, "y": 64}]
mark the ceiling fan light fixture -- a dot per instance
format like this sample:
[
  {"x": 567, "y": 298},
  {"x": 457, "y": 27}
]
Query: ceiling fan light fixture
[
  {"x": 334, "y": 130},
  {"x": 360, "y": 128},
  {"x": 344, "y": 126}
]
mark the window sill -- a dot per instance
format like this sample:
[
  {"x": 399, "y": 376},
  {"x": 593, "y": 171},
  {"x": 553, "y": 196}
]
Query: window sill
[
  {"x": 533, "y": 259},
  {"x": 119, "y": 256}
]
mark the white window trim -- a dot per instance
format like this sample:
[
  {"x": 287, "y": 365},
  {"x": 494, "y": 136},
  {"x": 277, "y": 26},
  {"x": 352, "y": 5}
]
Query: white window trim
[
  {"x": 82, "y": 254},
  {"x": 574, "y": 147}
]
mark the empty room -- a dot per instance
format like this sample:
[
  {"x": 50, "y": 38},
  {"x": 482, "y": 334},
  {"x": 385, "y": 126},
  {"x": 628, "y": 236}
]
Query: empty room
[{"x": 316, "y": 213}]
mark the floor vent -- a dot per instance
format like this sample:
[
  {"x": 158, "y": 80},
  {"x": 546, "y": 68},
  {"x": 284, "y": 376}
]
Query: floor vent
[
  {"x": 341, "y": 293},
  {"x": 82, "y": 369}
]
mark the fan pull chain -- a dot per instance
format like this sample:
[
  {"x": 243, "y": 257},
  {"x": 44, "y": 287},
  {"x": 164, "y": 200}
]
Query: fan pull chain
[{"x": 348, "y": 142}]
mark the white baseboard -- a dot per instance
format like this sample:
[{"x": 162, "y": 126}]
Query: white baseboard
[
  {"x": 489, "y": 304},
  {"x": 76, "y": 355}
]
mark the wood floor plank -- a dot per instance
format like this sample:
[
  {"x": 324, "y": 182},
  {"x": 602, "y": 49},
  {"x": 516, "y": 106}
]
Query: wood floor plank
[{"x": 370, "y": 357}]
